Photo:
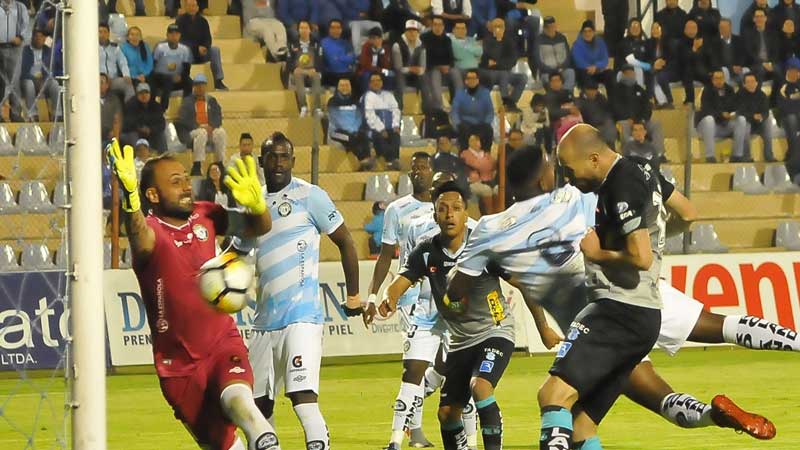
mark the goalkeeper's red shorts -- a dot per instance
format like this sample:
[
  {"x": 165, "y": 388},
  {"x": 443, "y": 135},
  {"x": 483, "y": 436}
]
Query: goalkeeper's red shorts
[{"x": 196, "y": 398}]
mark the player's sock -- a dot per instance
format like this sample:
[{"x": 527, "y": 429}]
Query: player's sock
[
  {"x": 593, "y": 443},
  {"x": 433, "y": 381},
  {"x": 238, "y": 404},
  {"x": 470, "y": 418},
  {"x": 317, "y": 436},
  {"x": 453, "y": 436},
  {"x": 686, "y": 411},
  {"x": 556, "y": 428},
  {"x": 491, "y": 423},
  {"x": 238, "y": 445},
  {"x": 759, "y": 334},
  {"x": 415, "y": 420},
  {"x": 404, "y": 410}
]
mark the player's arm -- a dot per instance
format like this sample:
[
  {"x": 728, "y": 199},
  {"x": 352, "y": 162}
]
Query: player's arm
[
  {"x": 550, "y": 338},
  {"x": 637, "y": 252},
  {"x": 412, "y": 271},
  {"x": 396, "y": 289},
  {"x": 347, "y": 251},
  {"x": 459, "y": 284},
  {"x": 683, "y": 213},
  {"x": 388, "y": 248},
  {"x": 246, "y": 189},
  {"x": 141, "y": 237}
]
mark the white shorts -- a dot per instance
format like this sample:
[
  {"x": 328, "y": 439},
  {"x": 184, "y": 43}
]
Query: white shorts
[
  {"x": 288, "y": 358},
  {"x": 678, "y": 318},
  {"x": 423, "y": 344}
]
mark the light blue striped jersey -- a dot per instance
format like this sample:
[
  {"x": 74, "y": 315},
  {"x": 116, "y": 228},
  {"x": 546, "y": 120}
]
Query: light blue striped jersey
[
  {"x": 396, "y": 222},
  {"x": 536, "y": 241},
  {"x": 287, "y": 258},
  {"x": 426, "y": 315}
]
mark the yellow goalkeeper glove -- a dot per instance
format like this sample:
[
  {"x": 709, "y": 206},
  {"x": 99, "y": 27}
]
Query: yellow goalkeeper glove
[
  {"x": 125, "y": 170},
  {"x": 245, "y": 187}
]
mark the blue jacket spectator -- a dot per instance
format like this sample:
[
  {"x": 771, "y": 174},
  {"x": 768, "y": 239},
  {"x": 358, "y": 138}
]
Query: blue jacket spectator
[
  {"x": 483, "y": 11},
  {"x": 472, "y": 111},
  {"x": 346, "y": 124},
  {"x": 28, "y": 61},
  {"x": 357, "y": 10},
  {"x": 292, "y": 11},
  {"x": 590, "y": 58},
  {"x": 328, "y": 10},
  {"x": 375, "y": 227},
  {"x": 338, "y": 57},
  {"x": 138, "y": 54}
]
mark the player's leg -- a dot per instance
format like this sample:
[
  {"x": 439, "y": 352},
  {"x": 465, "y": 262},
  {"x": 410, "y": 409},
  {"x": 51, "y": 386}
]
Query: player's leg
[
  {"x": 434, "y": 380},
  {"x": 302, "y": 350},
  {"x": 492, "y": 360},
  {"x": 585, "y": 434},
  {"x": 263, "y": 358},
  {"x": 454, "y": 397}
]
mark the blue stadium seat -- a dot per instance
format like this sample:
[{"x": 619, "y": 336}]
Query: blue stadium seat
[
  {"x": 36, "y": 257},
  {"x": 8, "y": 204},
  {"x": 745, "y": 179},
  {"x": 58, "y": 136},
  {"x": 6, "y": 146},
  {"x": 788, "y": 236},
  {"x": 8, "y": 259},
  {"x": 404, "y": 186},
  {"x": 30, "y": 140},
  {"x": 379, "y": 188},
  {"x": 33, "y": 198},
  {"x": 777, "y": 180},
  {"x": 705, "y": 240}
]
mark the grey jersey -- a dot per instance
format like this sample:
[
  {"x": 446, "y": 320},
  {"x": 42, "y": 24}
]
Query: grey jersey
[
  {"x": 487, "y": 312},
  {"x": 630, "y": 199}
]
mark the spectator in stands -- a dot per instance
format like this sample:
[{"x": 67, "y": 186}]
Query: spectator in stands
[
  {"x": 696, "y": 59},
  {"x": 35, "y": 76},
  {"x": 481, "y": 173},
  {"x": 110, "y": 111},
  {"x": 138, "y": 56},
  {"x": 552, "y": 54},
  {"x": 445, "y": 160},
  {"x": 375, "y": 229},
  {"x": 171, "y": 64},
  {"x": 246, "y": 145},
  {"x": 345, "y": 124},
  {"x": 375, "y": 57},
  {"x": 212, "y": 189},
  {"x": 536, "y": 123},
  {"x": 639, "y": 145},
  {"x": 499, "y": 57},
  {"x": 409, "y": 60},
  {"x": 483, "y": 12},
  {"x": 395, "y": 13},
  {"x": 632, "y": 103},
  {"x": 615, "y": 17},
  {"x": 761, "y": 47},
  {"x": 304, "y": 66},
  {"x": 590, "y": 56},
  {"x": 658, "y": 50},
  {"x": 672, "y": 19},
  {"x": 788, "y": 44},
  {"x": 338, "y": 57},
  {"x": 451, "y": 11},
  {"x": 382, "y": 116},
  {"x": 258, "y": 18},
  {"x": 141, "y": 152},
  {"x": 200, "y": 120},
  {"x": 716, "y": 116},
  {"x": 752, "y": 112},
  {"x": 143, "y": 119},
  {"x": 561, "y": 108},
  {"x": 13, "y": 26},
  {"x": 788, "y": 103},
  {"x": 522, "y": 20},
  {"x": 113, "y": 63},
  {"x": 730, "y": 52},
  {"x": 472, "y": 111},
  {"x": 440, "y": 62},
  {"x": 291, "y": 12},
  {"x": 466, "y": 50},
  {"x": 516, "y": 140},
  {"x": 633, "y": 50},
  {"x": 359, "y": 21},
  {"x": 597, "y": 112},
  {"x": 196, "y": 34},
  {"x": 746, "y": 22},
  {"x": 785, "y": 9},
  {"x": 707, "y": 18}
]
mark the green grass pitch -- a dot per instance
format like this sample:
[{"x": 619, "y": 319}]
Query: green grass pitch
[{"x": 357, "y": 397}]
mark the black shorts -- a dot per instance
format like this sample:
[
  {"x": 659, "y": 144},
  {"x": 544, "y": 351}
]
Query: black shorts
[
  {"x": 602, "y": 346},
  {"x": 487, "y": 360}
]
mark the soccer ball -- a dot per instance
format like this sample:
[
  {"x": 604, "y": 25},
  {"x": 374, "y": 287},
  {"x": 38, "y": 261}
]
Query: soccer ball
[{"x": 224, "y": 281}]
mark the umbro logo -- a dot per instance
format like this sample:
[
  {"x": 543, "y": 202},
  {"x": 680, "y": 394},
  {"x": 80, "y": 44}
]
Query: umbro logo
[{"x": 237, "y": 369}]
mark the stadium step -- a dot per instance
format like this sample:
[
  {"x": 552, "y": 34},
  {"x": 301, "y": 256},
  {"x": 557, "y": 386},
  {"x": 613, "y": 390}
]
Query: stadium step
[
  {"x": 330, "y": 252},
  {"x": 239, "y": 51},
  {"x": 348, "y": 186},
  {"x": 724, "y": 147},
  {"x": 718, "y": 205},
  {"x": 746, "y": 233},
  {"x": 244, "y": 104},
  {"x": 31, "y": 226},
  {"x": 222, "y": 27},
  {"x": 245, "y": 76},
  {"x": 712, "y": 177},
  {"x": 28, "y": 167}
]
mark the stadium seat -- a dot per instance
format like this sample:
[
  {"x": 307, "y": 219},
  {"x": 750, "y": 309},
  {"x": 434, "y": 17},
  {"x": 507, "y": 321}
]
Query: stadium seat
[
  {"x": 36, "y": 257},
  {"x": 118, "y": 27},
  {"x": 6, "y": 147},
  {"x": 409, "y": 133},
  {"x": 60, "y": 195},
  {"x": 171, "y": 136},
  {"x": 8, "y": 259},
  {"x": 776, "y": 179},
  {"x": 674, "y": 245},
  {"x": 33, "y": 197},
  {"x": 788, "y": 236},
  {"x": 30, "y": 139},
  {"x": 8, "y": 205},
  {"x": 522, "y": 67},
  {"x": 58, "y": 136},
  {"x": 404, "y": 186},
  {"x": 705, "y": 240},
  {"x": 746, "y": 180},
  {"x": 379, "y": 188},
  {"x": 61, "y": 256}
]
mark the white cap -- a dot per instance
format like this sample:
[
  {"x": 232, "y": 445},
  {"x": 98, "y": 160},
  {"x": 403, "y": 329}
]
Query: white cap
[{"x": 413, "y": 24}]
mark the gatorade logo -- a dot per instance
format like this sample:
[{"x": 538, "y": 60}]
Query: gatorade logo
[{"x": 297, "y": 361}]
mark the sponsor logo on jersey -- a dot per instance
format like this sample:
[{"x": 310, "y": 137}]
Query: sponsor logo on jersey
[
  {"x": 285, "y": 209},
  {"x": 201, "y": 232},
  {"x": 297, "y": 361},
  {"x": 491, "y": 356},
  {"x": 332, "y": 216},
  {"x": 573, "y": 334},
  {"x": 486, "y": 366},
  {"x": 622, "y": 207},
  {"x": 299, "y": 378},
  {"x": 580, "y": 327},
  {"x": 302, "y": 246},
  {"x": 562, "y": 351},
  {"x": 236, "y": 369}
]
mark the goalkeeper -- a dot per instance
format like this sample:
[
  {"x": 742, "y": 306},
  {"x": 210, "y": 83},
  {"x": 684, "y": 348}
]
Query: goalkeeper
[{"x": 200, "y": 359}]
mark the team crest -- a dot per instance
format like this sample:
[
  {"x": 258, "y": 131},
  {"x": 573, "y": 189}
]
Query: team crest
[
  {"x": 285, "y": 209},
  {"x": 302, "y": 246},
  {"x": 201, "y": 232},
  {"x": 162, "y": 325},
  {"x": 508, "y": 222}
]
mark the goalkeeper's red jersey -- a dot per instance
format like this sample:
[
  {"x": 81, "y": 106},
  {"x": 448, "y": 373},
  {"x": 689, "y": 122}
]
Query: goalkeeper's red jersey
[{"x": 185, "y": 328}]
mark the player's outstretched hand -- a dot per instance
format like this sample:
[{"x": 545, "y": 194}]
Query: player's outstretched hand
[
  {"x": 370, "y": 311},
  {"x": 352, "y": 306},
  {"x": 550, "y": 338},
  {"x": 245, "y": 186},
  {"x": 122, "y": 164},
  {"x": 386, "y": 309},
  {"x": 590, "y": 245}
]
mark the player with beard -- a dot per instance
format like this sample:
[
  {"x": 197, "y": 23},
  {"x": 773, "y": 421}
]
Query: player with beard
[{"x": 200, "y": 358}]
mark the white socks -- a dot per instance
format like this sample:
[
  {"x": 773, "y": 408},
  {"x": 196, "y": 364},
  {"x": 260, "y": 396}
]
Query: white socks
[
  {"x": 758, "y": 334},
  {"x": 433, "y": 381},
  {"x": 686, "y": 411},
  {"x": 317, "y": 436},
  {"x": 238, "y": 404},
  {"x": 409, "y": 399},
  {"x": 470, "y": 418}
]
